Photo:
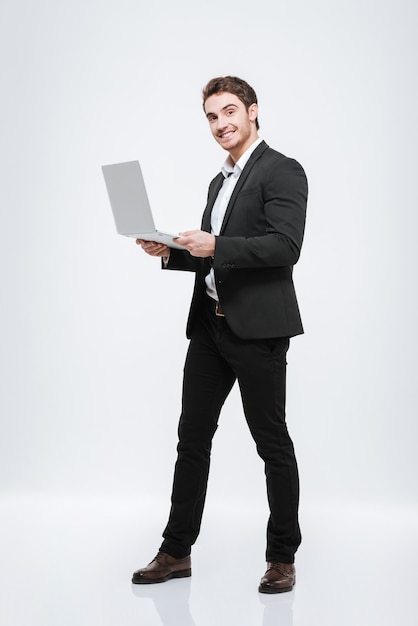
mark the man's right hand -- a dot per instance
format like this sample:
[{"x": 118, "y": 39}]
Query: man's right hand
[{"x": 154, "y": 248}]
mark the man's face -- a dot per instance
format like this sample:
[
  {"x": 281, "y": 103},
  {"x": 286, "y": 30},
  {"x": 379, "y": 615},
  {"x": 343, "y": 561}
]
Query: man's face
[{"x": 231, "y": 124}]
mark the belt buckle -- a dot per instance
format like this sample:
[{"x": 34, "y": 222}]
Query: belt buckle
[{"x": 218, "y": 312}]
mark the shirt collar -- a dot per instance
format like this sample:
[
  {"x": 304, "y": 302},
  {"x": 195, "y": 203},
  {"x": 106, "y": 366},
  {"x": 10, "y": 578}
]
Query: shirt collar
[{"x": 229, "y": 167}]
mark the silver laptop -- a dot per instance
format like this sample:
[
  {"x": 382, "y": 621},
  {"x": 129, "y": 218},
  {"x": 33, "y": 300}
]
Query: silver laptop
[{"x": 130, "y": 206}]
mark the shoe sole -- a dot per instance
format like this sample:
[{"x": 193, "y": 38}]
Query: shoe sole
[
  {"x": 184, "y": 573},
  {"x": 269, "y": 589}
]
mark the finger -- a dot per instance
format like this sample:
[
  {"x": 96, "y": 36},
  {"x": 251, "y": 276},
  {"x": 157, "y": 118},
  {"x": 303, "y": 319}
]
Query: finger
[
  {"x": 150, "y": 245},
  {"x": 187, "y": 233}
]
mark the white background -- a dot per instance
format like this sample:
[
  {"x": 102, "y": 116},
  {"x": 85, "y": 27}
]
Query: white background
[{"x": 93, "y": 340}]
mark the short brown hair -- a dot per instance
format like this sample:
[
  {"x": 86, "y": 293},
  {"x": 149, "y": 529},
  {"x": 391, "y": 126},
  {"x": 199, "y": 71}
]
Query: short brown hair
[{"x": 231, "y": 84}]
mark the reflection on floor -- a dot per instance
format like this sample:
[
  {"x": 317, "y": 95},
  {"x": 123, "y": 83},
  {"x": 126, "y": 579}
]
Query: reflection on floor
[{"x": 68, "y": 561}]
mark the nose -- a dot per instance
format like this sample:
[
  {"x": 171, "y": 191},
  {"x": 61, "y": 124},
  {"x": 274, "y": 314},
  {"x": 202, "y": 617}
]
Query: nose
[{"x": 221, "y": 122}]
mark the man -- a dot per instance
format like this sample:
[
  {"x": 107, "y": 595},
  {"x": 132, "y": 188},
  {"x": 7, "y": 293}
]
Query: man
[{"x": 243, "y": 312}]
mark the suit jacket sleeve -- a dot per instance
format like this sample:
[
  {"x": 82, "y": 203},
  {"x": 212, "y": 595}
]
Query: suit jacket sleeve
[
  {"x": 180, "y": 260},
  {"x": 272, "y": 212}
]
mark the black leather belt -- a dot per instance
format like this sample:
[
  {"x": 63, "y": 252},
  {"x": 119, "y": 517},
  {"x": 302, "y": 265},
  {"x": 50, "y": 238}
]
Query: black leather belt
[{"x": 215, "y": 307}]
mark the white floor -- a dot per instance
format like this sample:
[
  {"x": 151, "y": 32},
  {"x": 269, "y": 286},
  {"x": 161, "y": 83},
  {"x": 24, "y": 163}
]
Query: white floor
[{"x": 68, "y": 561}]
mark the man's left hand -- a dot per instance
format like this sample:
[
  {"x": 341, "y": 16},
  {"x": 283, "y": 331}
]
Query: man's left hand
[{"x": 197, "y": 242}]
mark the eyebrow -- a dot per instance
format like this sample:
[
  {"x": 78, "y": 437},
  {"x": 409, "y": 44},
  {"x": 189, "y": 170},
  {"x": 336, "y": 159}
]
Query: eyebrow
[{"x": 223, "y": 109}]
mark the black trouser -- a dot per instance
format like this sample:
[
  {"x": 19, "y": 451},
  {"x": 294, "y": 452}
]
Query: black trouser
[{"x": 215, "y": 359}]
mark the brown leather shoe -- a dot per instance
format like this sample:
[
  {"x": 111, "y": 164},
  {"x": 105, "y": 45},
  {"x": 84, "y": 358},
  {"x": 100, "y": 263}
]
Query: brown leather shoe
[
  {"x": 162, "y": 568},
  {"x": 279, "y": 577}
]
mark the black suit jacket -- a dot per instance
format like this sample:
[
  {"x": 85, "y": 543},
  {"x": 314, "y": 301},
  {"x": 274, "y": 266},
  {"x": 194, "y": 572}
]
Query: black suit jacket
[{"x": 259, "y": 242}]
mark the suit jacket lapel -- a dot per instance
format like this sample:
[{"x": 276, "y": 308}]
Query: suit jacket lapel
[
  {"x": 241, "y": 180},
  {"x": 213, "y": 193}
]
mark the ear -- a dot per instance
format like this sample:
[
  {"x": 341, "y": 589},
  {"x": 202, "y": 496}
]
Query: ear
[{"x": 253, "y": 112}]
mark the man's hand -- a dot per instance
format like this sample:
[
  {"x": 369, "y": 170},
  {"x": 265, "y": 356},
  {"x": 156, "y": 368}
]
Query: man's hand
[
  {"x": 197, "y": 242},
  {"x": 154, "y": 248}
]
